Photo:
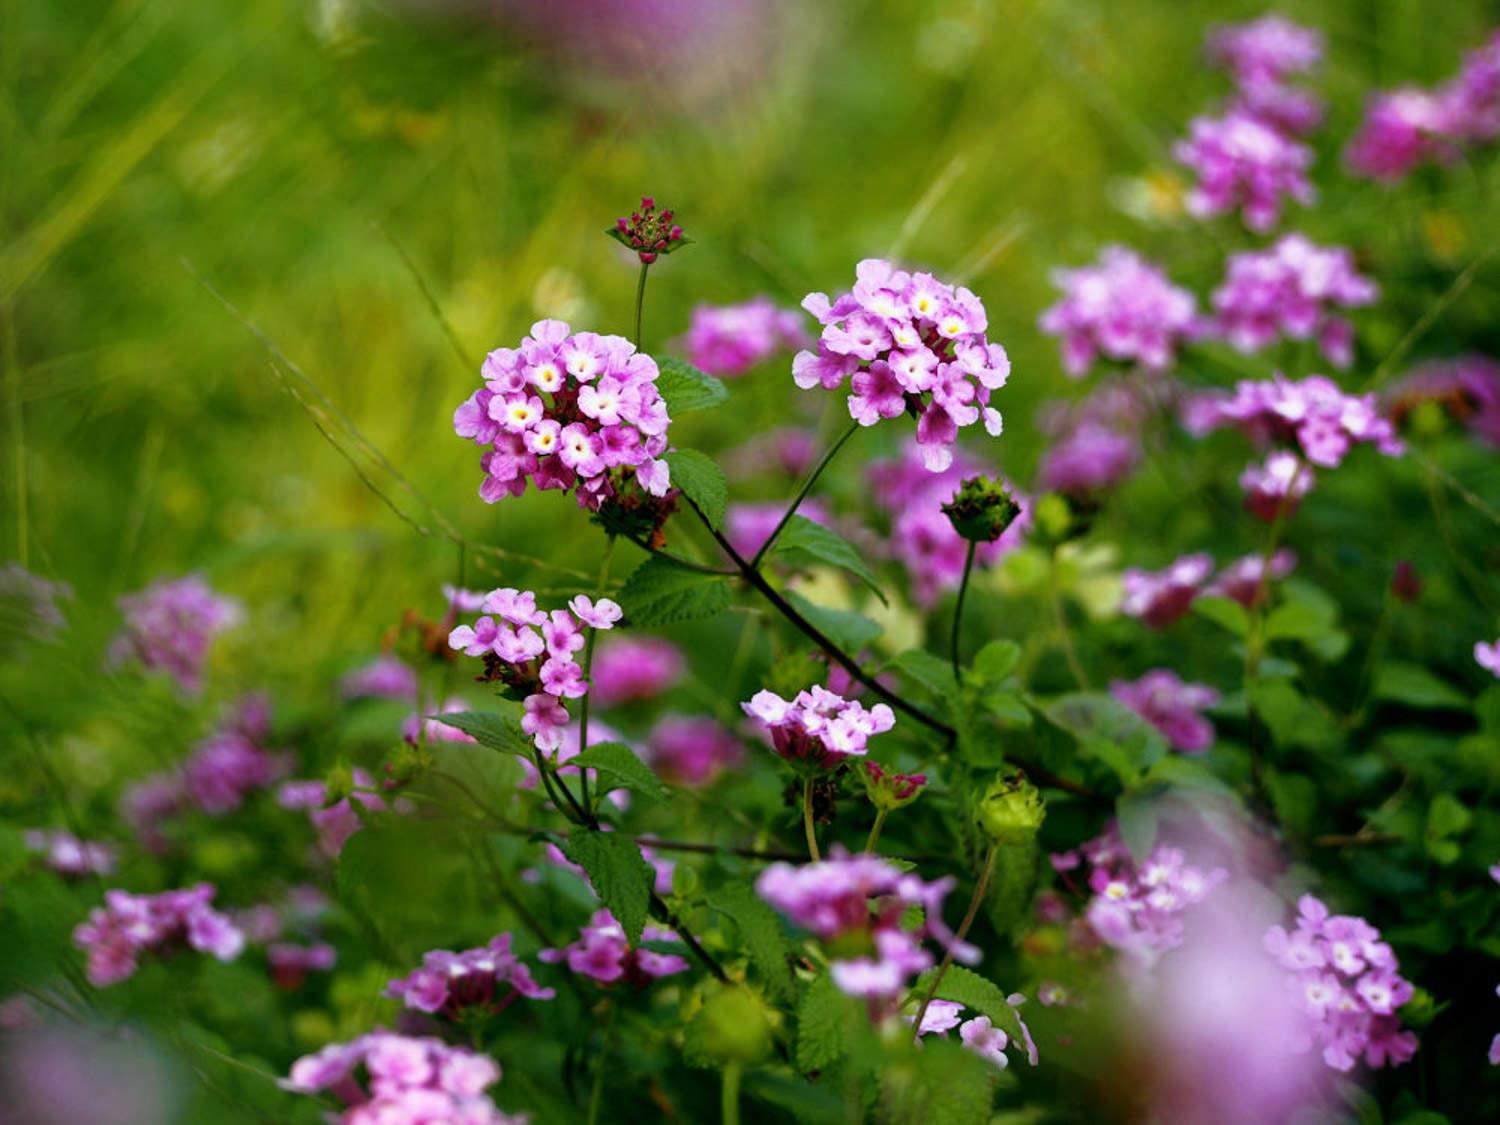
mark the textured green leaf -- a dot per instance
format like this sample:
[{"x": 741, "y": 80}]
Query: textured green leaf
[
  {"x": 849, "y": 630},
  {"x": 977, "y": 992},
  {"x": 997, "y": 660},
  {"x": 1224, "y": 612},
  {"x": 619, "y": 768},
  {"x": 803, "y": 543},
  {"x": 685, "y": 388},
  {"x": 760, "y": 933},
  {"x": 618, "y": 872},
  {"x": 1110, "y": 731},
  {"x": 701, "y": 481},
  {"x": 953, "y": 1085},
  {"x": 496, "y": 732},
  {"x": 660, "y": 592},
  {"x": 825, "y": 1019},
  {"x": 922, "y": 667},
  {"x": 1400, "y": 682}
]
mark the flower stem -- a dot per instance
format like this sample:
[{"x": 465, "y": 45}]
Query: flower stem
[
  {"x": 729, "y": 1101},
  {"x": 640, "y": 303},
  {"x": 963, "y": 931},
  {"x": 807, "y": 819},
  {"x": 1064, "y": 634},
  {"x": 588, "y": 664},
  {"x": 812, "y": 479},
  {"x": 875, "y": 831},
  {"x": 958, "y": 610},
  {"x": 596, "y": 1098}
]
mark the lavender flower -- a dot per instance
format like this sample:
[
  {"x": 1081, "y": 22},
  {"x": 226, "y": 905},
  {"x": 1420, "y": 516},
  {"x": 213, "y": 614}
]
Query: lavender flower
[
  {"x": 1159, "y": 598},
  {"x": 1246, "y": 579},
  {"x": 1260, "y": 56},
  {"x": 1245, "y": 164},
  {"x": 1171, "y": 706},
  {"x": 385, "y": 677},
  {"x": 818, "y": 729},
  {"x": 602, "y": 953},
  {"x": 127, "y": 925},
  {"x": 1088, "y": 460},
  {"x": 728, "y": 340},
  {"x": 170, "y": 625},
  {"x": 692, "y": 750},
  {"x": 1274, "y": 489},
  {"x": 978, "y": 1034},
  {"x": 490, "y": 977},
  {"x": 1487, "y": 656},
  {"x": 66, "y": 854},
  {"x": 634, "y": 668}
]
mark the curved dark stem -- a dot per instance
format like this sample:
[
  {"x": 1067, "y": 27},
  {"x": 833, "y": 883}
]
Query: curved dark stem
[
  {"x": 640, "y": 303},
  {"x": 958, "y": 937},
  {"x": 717, "y": 849},
  {"x": 812, "y": 479},
  {"x": 678, "y": 560},
  {"x": 958, "y": 610},
  {"x": 709, "y": 962}
]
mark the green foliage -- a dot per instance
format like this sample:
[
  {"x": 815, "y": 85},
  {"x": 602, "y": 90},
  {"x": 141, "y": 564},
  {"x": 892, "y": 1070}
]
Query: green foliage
[
  {"x": 619, "y": 767},
  {"x": 977, "y": 992},
  {"x": 686, "y": 389},
  {"x": 826, "y": 1019},
  {"x": 1110, "y": 732},
  {"x": 1402, "y": 682},
  {"x": 490, "y": 730},
  {"x": 803, "y": 543},
  {"x": 760, "y": 933},
  {"x": 659, "y": 592},
  {"x": 851, "y": 631},
  {"x": 618, "y": 872},
  {"x": 701, "y": 481}
]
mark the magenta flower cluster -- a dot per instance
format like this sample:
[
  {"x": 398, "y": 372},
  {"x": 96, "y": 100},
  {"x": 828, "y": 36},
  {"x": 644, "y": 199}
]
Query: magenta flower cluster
[
  {"x": 567, "y": 411},
  {"x": 603, "y": 954},
  {"x": 170, "y": 627},
  {"x": 630, "y": 668},
  {"x": 1289, "y": 291},
  {"x": 290, "y": 962},
  {"x": 116, "y": 934},
  {"x": 335, "y": 822},
  {"x": 532, "y": 653},
  {"x": 728, "y": 340},
  {"x": 1097, "y": 439},
  {"x": 1274, "y": 488},
  {"x": 1345, "y": 980},
  {"x": 1139, "y": 908},
  {"x": 865, "y": 903},
  {"x": 691, "y": 750},
  {"x": 1159, "y": 598},
  {"x": 818, "y": 729},
  {"x": 1123, "y": 309},
  {"x": 420, "y": 1081},
  {"x": 1171, "y": 705},
  {"x": 385, "y": 677},
  {"x": 978, "y": 1033},
  {"x": 1244, "y": 163},
  {"x": 66, "y": 854},
  {"x": 1246, "y": 579},
  {"x": 908, "y": 343},
  {"x": 1260, "y": 56},
  {"x": 490, "y": 977}
]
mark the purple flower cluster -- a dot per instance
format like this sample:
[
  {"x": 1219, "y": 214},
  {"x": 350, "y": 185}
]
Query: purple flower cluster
[
  {"x": 385, "y": 677},
  {"x": 1089, "y": 459},
  {"x": 1244, "y": 163},
  {"x": 861, "y": 903},
  {"x": 978, "y": 1033},
  {"x": 818, "y": 729},
  {"x": 728, "y": 340},
  {"x": 1160, "y": 597},
  {"x": 336, "y": 822},
  {"x": 602, "y": 954},
  {"x": 1487, "y": 656},
  {"x": 126, "y": 926},
  {"x": 490, "y": 976},
  {"x": 1345, "y": 981},
  {"x": 748, "y": 526},
  {"x": 290, "y": 962},
  {"x": 692, "y": 750},
  {"x": 1311, "y": 413},
  {"x": 565, "y": 411},
  {"x": 1288, "y": 291},
  {"x": 170, "y": 625},
  {"x": 1467, "y": 387},
  {"x": 1246, "y": 579},
  {"x": 66, "y": 854},
  {"x": 1172, "y": 706},
  {"x": 1138, "y": 908},
  {"x": 633, "y": 668},
  {"x": 420, "y": 1081},
  {"x": 1274, "y": 488},
  {"x": 1411, "y": 126},
  {"x": 1260, "y": 56},
  {"x": 1122, "y": 308},
  {"x": 911, "y": 344},
  {"x": 532, "y": 653}
]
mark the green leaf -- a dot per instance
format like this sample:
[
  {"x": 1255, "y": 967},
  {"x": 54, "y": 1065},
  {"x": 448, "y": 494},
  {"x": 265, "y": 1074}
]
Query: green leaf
[
  {"x": 1447, "y": 816},
  {"x": 1224, "y": 612},
  {"x": 1401, "y": 682},
  {"x": 760, "y": 933},
  {"x": 997, "y": 660},
  {"x": 685, "y": 388},
  {"x": 619, "y": 768},
  {"x": 619, "y": 874},
  {"x": 1293, "y": 719},
  {"x": 1136, "y": 814},
  {"x": 952, "y": 1085},
  {"x": 849, "y": 630},
  {"x": 496, "y": 732},
  {"x": 701, "y": 481},
  {"x": 1110, "y": 731},
  {"x": 803, "y": 543},
  {"x": 660, "y": 592},
  {"x": 932, "y": 672},
  {"x": 977, "y": 992},
  {"x": 825, "y": 1020}
]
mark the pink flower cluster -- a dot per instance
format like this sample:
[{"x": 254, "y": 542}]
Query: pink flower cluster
[
  {"x": 532, "y": 653},
  {"x": 1487, "y": 656},
  {"x": 1345, "y": 981},
  {"x": 602, "y": 953},
  {"x": 290, "y": 962},
  {"x": 385, "y": 677},
  {"x": 601, "y": 421},
  {"x": 1288, "y": 290},
  {"x": 1138, "y": 908},
  {"x": 922, "y": 537},
  {"x": 334, "y": 823},
  {"x": 1089, "y": 459},
  {"x": 1244, "y": 163},
  {"x": 1260, "y": 56},
  {"x": 818, "y": 729},
  {"x": 692, "y": 750},
  {"x": 170, "y": 626},
  {"x": 1411, "y": 126},
  {"x": 1122, "y": 308},
  {"x": 860, "y": 902},
  {"x": 1274, "y": 488},
  {"x": 1312, "y": 413},
  {"x": 66, "y": 854},
  {"x": 978, "y": 1033},
  {"x": 1246, "y": 579},
  {"x": 631, "y": 668},
  {"x": 126, "y": 926},
  {"x": 490, "y": 976},
  {"x": 409, "y": 1081},
  {"x": 728, "y": 340},
  {"x": 1172, "y": 706},
  {"x": 1467, "y": 387},
  {"x": 1160, "y": 597},
  {"x": 911, "y": 344}
]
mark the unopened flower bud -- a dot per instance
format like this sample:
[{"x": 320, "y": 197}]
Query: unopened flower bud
[
  {"x": 1011, "y": 810},
  {"x": 1405, "y": 583},
  {"x": 888, "y": 790},
  {"x": 732, "y": 1026},
  {"x": 981, "y": 510},
  {"x": 649, "y": 232}
]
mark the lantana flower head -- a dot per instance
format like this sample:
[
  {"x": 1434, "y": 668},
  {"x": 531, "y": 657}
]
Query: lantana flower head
[
  {"x": 66, "y": 854},
  {"x": 1172, "y": 706},
  {"x": 1465, "y": 387},
  {"x": 1090, "y": 459},
  {"x": 908, "y": 343},
  {"x": 603, "y": 954},
  {"x": 568, "y": 411},
  {"x": 818, "y": 729},
  {"x": 1275, "y": 487},
  {"x": 490, "y": 976},
  {"x": 126, "y": 926},
  {"x": 649, "y": 232},
  {"x": 978, "y": 1033},
  {"x": 1261, "y": 56},
  {"x": 1244, "y": 164},
  {"x": 170, "y": 626},
  {"x": 1290, "y": 290},
  {"x": 692, "y": 750},
  {"x": 385, "y": 677},
  {"x": 1247, "y": 579},
  {"x": 728, "y": 340},
  {"x": 1121, "y": 308},
  {"x": 856, "y": 906},
  {"x": 628, "y": 668},
  {"x": 338, "y": 821},
  {"x": 1347, "y": 983},
  {"x": 1160, "y": 597}
]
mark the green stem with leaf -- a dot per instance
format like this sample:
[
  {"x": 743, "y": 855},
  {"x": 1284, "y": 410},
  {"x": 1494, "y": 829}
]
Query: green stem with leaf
[
  {"x": 808, "y": 825},
  {"x": 958, "y": 937},
  {"x": 640, "y": 303},
  {"x": 812, "y": 479},
  {"x": 958, "y": 609}
]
